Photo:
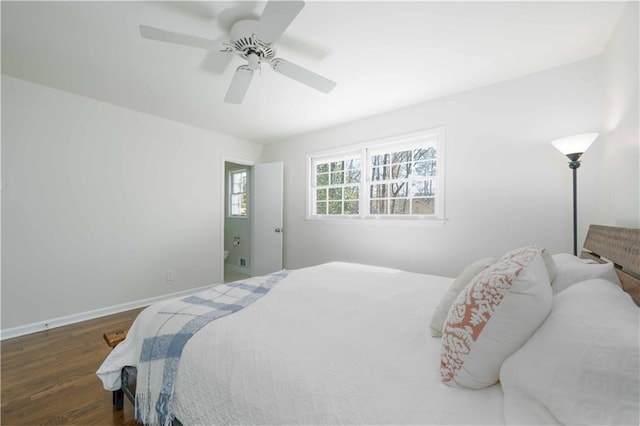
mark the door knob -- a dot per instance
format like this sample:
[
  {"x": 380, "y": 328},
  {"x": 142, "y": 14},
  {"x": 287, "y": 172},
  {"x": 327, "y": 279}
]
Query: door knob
[{"x": 278, "y": 230}]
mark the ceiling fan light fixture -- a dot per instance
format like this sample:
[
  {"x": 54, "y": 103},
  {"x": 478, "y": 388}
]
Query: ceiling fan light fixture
[{"x": 254, "y": 61}]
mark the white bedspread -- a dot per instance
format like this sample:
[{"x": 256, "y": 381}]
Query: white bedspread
[{"x": 333, "y": 344}]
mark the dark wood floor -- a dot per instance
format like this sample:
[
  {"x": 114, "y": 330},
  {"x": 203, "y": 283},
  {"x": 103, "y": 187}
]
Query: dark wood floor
[{"x": 49, "y": 377}]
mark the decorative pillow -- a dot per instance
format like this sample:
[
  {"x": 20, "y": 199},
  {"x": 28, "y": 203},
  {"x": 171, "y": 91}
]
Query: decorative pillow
[
  {"x": 582, "y": 366},
  {"x": 467, "y": 274},
  {"x": 549, "y": 263},
  {"x": 572, "y": 273},
  {"x": 495, "y": 314}
]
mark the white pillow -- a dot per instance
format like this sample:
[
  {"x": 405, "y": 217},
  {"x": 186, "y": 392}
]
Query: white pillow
[
  {"x": 467, "y": 274},
  {"x": 572, "y": 273},
  {"x": 495, "y": 314},
  {"x": 549, "y": 263},
  {"x": 561, "y": 259},
  {"x": 582, "y": 366}
]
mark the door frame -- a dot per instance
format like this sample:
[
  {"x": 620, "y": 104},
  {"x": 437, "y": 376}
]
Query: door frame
[{"x": 223, "y": 211}]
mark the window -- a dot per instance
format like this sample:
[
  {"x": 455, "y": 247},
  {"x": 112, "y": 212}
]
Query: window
[
  {"x": 238, "y": 193},
  {"x": 398, "y": 177},
  {"x": 337, "y": 186}
]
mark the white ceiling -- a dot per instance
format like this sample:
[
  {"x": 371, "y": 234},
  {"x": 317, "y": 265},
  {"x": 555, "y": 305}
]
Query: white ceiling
[{"x": 383, "y": 55}]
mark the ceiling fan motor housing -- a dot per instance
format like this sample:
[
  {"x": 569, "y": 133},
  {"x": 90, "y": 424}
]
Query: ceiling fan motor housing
[{"x": 246, "y": 44}]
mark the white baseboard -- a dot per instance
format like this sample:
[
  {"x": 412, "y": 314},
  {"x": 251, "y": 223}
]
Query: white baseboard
[{"x": 84, "y": 316}]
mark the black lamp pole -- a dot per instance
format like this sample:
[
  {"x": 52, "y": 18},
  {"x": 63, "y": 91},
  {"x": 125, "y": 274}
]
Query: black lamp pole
[
  {"x": 573, "y": 147},
  {"x": 573, "y": 165}
]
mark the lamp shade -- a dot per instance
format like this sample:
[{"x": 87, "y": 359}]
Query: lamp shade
[{"x": 576, "y": 144}]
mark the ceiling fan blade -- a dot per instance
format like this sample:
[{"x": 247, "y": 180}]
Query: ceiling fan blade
[
  {"x": 239, "y": 85},
  {"x": 276, "y": 18},
  {"x": 153, "y": 33},
  {"x": 303, "y": 75}
]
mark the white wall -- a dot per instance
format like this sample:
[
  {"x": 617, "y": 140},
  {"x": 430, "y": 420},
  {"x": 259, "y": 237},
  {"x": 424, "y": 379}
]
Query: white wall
[
  {"x": 99, "y": 201},
  {"x": 620, "y": 163},
  {"x": 506, "y": 185}
]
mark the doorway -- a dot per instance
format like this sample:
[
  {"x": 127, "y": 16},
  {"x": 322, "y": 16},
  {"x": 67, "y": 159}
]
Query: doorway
[
  {"x": 252, "y": 232},
  {"x": 238, "y": 206}
]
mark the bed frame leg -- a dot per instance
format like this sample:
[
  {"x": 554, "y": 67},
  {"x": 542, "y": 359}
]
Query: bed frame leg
[{"x": 118, "y": 399}]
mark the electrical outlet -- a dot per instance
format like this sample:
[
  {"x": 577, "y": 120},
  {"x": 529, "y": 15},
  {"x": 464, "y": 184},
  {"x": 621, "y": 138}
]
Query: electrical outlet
[
  {"x": 243, "y": 261},
  {"x": 171, "y": 275}
]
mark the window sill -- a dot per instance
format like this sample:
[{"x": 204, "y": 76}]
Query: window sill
[{"x": 377, "y": 220}]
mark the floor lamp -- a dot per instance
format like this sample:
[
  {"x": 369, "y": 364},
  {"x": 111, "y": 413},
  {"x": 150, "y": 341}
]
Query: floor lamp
[{"x": 573, "y": 147}]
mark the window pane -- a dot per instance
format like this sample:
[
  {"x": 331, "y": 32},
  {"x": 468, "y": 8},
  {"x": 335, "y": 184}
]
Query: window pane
[
  {"x": 337, "y": 178},
  {"x": 378, "y": 207},
  {"x": 419, "y": 154},
  {"x": 420, "y": 168},
  {"x": 423, "y": 206},
  {"x": 401, "y": 157},
  {"x": 322, "y": 179},
  {"x": 336, "y": 181},
  {"x": 378, "y": 160},
  {"x": 423, "y": 189},
  {"x": 351, "y": 207},
  {"x": 432, "y": 168},
  {"x": 400, "y": 171},
  {"x": 335, "y": 193},
  {"x": 378, "y": 191},
  {"x": 399, "y": 190},
  {"x": 353, "y": 176},
  {"x": 380, "y": 173},
  {"x": 238, "y": 205},
  {"x": 353, "y": 164},
  {"x": 335, "y": 207},
  {"x": 238, "y": 180},
  {"x": 238, "y": 193},
  {"x": 399, "y": 206},
  {"x": 351, "y": 192},
  {"x": 337, "y": 165}
]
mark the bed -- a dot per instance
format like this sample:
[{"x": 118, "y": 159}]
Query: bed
[{"x": 343, "y": 343}]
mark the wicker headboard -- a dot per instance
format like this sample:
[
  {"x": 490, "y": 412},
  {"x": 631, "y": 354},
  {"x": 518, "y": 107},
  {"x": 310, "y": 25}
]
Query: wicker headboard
[{"x": 620, "y": 246}]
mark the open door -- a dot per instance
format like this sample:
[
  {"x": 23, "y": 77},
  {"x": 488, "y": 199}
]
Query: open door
[{"x": 267, "y": 218}]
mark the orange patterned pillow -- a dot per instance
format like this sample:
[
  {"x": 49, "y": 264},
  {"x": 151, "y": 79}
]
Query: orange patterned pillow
[{"x": 495, "y": 314}]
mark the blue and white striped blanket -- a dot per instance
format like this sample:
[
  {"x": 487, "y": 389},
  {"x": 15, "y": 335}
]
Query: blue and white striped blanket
[{"x": 168, "y": 334}]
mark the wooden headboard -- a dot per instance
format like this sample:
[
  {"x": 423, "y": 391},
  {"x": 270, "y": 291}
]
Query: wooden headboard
[{"x": 620, "y": 246}]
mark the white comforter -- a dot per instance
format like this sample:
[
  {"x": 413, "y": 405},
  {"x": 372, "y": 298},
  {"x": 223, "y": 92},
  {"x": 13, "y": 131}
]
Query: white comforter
[{"x": 333, "y": 344}]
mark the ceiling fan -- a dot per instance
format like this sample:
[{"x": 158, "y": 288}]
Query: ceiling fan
[{"x": 253, "y": 41}]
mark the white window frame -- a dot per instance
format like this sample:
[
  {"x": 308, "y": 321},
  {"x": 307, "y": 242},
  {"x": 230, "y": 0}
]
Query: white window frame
[
  {"x": 427, "y": 138},
  {"x": 232, "y": 173}
]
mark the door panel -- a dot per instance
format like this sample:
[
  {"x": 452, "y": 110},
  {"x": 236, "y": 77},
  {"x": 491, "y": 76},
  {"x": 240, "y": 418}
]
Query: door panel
[{"x": 267, "y": 218}]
